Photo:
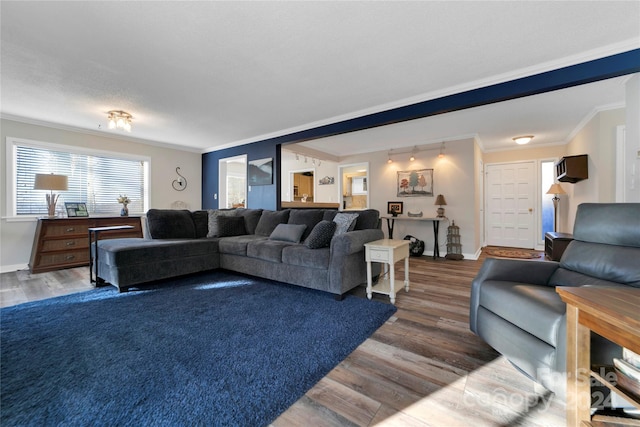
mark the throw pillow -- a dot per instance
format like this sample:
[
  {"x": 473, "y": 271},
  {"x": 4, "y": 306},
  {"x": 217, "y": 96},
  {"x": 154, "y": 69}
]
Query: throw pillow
[
  {"x": 170, "y": 224},
  {"x": 308, "y": 217},
  {"x": 214, "y": 214},
  {"x": 269, "y": 220},
  {"x": 344, "y": 222},
  {"x": 231, "y": 226},
  {"x": 288, "y": 232},
  {"x": 321, "y": 235}
]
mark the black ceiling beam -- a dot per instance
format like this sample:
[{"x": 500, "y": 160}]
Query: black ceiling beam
[{"x": 562, "y": 78}]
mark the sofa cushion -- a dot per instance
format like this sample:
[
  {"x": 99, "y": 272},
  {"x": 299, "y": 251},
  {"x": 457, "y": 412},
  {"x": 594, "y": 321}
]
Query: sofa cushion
[
  {"x": 268, "y": 250},
  {"x": 321, "y": 235},
  {"x": 231, "y": 226},
  {"x": 535, "y": 309},
  {"x": 345, "y": 222},
  {"x": 367, "y": 219},
  {"x": 213, "y": 215},
  {"x": 605, "y": 262},
  {"x": 132, "y": 251},
  {"x": 170, "y": 224},
  {"x": 251, "y": 218},
  {"x": 306, "y": 257},
  {"x": 269, "y": 221},
  {"x": 201, "y": 223},
  {"x": 308, "y": 217},
  {"x": 237, "y": 245},
  {"x": 329, "y": 215},
  {"x": 288, "y": 232}
]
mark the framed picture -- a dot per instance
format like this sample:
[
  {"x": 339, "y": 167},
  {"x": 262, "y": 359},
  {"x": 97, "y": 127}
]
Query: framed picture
[
  {"x": 415, "y": 183},
  {"x": 327, "y": 180},
  {"x": 260, "y": 172},
  {"x": 395, "y": 208},
  {"x": 76, "y": 209}
]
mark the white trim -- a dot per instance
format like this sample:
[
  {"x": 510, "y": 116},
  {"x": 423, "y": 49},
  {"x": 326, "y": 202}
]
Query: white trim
[
  {"x": 102, "y": 134},
  {"x": 13, "y": 267},
  {"x": 621, "y": 176},
  {"x": 586, "y": 119}
]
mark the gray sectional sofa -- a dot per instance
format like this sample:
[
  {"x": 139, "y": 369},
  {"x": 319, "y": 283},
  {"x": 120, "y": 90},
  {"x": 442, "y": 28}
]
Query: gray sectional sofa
[
  {"x": 297, "y": 246},
  {"x": 515, "y": 307}
]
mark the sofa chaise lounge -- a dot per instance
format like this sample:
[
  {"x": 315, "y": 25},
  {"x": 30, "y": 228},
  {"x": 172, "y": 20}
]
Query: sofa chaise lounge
[
  {"x": 290, "y": 246},
  {"x": 515, "y": 307}
]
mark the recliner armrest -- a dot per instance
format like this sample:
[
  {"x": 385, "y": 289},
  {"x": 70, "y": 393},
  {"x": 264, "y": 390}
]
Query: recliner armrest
[{"x": 508, "y": 270}]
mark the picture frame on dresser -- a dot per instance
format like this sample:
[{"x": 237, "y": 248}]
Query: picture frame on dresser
[{"x": 75, "y": 209}]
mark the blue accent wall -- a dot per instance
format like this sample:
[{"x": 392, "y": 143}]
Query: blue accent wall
[
  {"x": 267, "y": 197},
  {"x": 260, "y": 196}
]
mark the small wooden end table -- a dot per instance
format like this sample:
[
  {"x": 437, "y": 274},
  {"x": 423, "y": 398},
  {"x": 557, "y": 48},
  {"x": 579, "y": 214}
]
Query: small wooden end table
[
  {"x": 387, "y": 251},
  {"x": 610, "y": 312},
  {"x": 94, "y": 236}
]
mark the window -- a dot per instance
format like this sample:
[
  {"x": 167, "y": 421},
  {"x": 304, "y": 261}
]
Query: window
[
  {"x": 547, "y": 173},
  {"x": 96, "y": 178}
]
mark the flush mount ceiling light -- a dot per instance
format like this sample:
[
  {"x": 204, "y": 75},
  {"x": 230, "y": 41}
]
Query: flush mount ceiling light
[
  {"x": 521, "y": 140},
  {"x": 119, "y": 119}
]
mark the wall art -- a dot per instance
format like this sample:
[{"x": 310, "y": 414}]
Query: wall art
[
  {"x": 260, "y": 172},
  {"x": 415, "y": 183},
  {"x": 327, "y": 180}
]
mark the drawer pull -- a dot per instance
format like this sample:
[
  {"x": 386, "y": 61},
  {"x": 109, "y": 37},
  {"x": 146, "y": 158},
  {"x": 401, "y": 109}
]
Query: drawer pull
[
  {"x": 70, "y": 229},
  {"x": 72, "y": 243},
  {"x": 69, "y": 257}
]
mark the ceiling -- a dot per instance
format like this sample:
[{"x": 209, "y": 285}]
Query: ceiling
[{"x": 208, "y": 75}]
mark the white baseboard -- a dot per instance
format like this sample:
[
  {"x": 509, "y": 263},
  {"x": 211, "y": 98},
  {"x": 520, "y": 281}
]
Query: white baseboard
[{"x": 15, "y": 267}]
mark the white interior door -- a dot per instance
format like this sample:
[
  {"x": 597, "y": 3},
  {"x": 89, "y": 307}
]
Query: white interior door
[{"x": 511, "y": 205}]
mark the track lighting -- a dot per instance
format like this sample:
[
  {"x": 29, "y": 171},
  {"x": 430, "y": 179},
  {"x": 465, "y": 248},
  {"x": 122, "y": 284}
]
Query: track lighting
[{"x": 413, "y": 154}]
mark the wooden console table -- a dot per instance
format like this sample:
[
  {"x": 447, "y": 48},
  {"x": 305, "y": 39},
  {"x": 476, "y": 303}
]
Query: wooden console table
[
  {"x": 610, "y": 312},
  {"x": 62, "y": 242}
]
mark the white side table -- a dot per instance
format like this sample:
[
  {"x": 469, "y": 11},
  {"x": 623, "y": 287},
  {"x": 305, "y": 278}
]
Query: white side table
[{"x": 387, "y": 251}]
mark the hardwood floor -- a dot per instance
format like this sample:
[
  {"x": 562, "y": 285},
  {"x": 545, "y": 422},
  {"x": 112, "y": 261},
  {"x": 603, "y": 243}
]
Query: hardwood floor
[{"x": 423, "y": 367}]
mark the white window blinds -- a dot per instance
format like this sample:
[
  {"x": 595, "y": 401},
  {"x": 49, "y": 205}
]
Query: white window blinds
[{"x": 97, "y": 180}]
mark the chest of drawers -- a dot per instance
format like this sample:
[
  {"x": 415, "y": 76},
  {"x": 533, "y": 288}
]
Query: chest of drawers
[{"x": 64, "y": 242}]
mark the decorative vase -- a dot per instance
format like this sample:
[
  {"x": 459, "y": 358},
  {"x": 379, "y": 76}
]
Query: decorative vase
[{"x": 124, "y": 211}]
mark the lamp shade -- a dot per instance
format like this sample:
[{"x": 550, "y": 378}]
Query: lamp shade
[
  {"x": 556, "y": 189},
  {"x": 440, "y": 200},
  {"x": 50, "y": 182}
]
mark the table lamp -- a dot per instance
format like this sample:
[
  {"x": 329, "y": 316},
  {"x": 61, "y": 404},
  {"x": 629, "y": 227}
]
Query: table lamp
[
  {"x": 51, "y": 182},
  {"x": 555, "y": 190},
  {"x": 442, "y": 202}
]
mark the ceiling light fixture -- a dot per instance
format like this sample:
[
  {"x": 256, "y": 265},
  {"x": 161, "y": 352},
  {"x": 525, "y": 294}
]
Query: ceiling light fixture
[
  {"x": 441, "y": 155},
  {"x": 413, "y": 154},
  {"x": 521, "y": 140},
  {"x": 389, "y": 157},
  {"x": 119, "y": 119}
]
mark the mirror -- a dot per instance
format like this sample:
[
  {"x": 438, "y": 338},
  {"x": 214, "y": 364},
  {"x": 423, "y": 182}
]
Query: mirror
[{"x": 232, "y": 182}]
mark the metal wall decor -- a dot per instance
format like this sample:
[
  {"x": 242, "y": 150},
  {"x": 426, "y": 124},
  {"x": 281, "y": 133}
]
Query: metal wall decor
[{"x": 180, "y": 183}]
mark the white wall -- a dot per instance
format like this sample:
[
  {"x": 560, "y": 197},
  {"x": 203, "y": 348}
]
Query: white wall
[
  {"x": 632, "y": 151},
  {"x": 323, "y": 193},
  {"x": 598, "y": 140},
  {"x": 16, "y": 235},
  {"x": 453, "y": 177}
]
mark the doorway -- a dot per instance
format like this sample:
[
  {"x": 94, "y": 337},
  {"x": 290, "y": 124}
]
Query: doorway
[
  {"x": 302, "y": 185},
  {"x": 354, "y": 185},
  {"x": 511, "y": 207},
  {"x": 232, "y": 182}
]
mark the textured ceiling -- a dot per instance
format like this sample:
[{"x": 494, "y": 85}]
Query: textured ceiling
[{"x": 206, "y": 75}]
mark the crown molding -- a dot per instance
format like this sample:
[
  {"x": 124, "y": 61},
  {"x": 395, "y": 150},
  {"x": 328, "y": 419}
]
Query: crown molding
[{"x": 102, "y": 134}]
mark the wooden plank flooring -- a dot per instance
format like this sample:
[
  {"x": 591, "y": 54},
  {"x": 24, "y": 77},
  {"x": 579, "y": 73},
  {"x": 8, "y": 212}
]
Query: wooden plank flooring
[{"x": 423, "y": 367}]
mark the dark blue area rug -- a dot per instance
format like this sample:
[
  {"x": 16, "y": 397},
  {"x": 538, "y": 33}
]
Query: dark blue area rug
[{"x": 212, "y": 349}]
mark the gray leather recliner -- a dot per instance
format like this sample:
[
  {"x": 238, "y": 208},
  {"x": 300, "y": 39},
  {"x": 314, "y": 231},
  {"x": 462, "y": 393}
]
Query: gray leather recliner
[{"x": 515, "y": 307}]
